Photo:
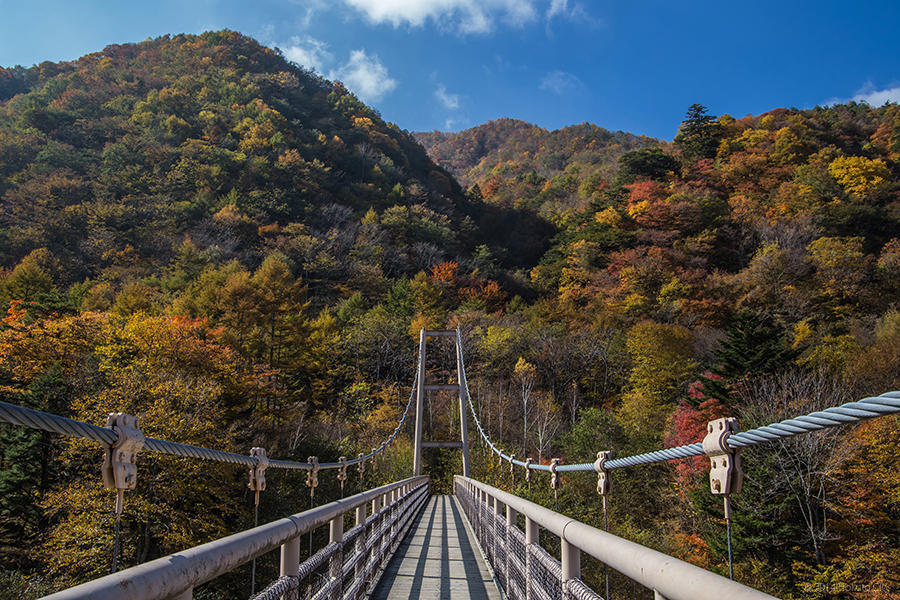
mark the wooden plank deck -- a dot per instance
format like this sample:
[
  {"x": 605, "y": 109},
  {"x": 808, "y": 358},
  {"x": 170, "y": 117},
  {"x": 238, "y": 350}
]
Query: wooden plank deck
[{"x": 438, "y": 560}]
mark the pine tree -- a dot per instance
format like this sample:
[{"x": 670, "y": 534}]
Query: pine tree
[
  {"x": 699, "y": 134},
  {"x": 753, "y": 345}
]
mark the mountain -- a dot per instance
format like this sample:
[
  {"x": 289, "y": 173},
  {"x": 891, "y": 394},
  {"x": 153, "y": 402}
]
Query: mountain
[
  {"x": 112, "y": 162},
  {"x": 515, "y": 163}
]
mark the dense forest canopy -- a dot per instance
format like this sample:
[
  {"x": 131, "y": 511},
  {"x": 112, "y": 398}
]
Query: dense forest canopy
[{"x": 195, "y": 230}]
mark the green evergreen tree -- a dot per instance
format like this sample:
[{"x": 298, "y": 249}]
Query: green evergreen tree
[
  {"x": 698, "y": 136},
  {"x": 753, "y": 345}
]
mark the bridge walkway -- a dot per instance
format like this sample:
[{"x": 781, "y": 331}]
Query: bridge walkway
[{"x": 438, "y": 560}]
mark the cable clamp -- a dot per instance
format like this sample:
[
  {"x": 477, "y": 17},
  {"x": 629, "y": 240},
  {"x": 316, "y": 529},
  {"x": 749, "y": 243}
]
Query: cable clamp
[
  {"x": 725, "y": 473},
  {"x": 554, "y": 476},
  {"x": 312, "y": 475},
  {"x": 258, "y": 471},
  {"x": 342, "y": 470},
  {"x": 119, "y": 471},
  {"x": 603, "y": 479}
]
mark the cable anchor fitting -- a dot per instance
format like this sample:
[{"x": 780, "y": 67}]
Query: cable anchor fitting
[
  {"x": 554, "y": 477},
  {"x": 258, "y": 472},
  {"x": 119, "y": 471},
  {"x": 603, "y": 479},
  {"x": 312, "y": 476},
  {"x": 342, "y": 472},
  {"x": 725, "y": 474}
]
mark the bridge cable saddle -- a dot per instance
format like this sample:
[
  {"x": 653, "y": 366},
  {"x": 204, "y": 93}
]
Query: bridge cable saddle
[{"x": 725, "y": 474}]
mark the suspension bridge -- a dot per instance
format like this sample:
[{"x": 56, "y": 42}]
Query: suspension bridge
[{"x": 400, "y": 541}]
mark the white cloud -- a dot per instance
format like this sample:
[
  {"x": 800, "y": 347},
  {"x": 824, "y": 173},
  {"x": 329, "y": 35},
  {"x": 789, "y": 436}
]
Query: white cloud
[
  {"x": 450, "y": 101},
  {"x": 870, "y": 95},
  {"x": 308, "y": 52},
  {"x": 875, "y": 97},
  {"x": 559, "y": 82},
  {"x": 365, "y": 75},
  {"x": 468, "y": 16},
  {"x": 557, "y": 7}
]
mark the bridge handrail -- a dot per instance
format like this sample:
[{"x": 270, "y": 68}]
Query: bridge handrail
[
  {"x": 36, "y": 419},
  {"x": 851, "y": 412},
  {"x": 175, "y": 574},
  {"x": 672, "y": 578}
]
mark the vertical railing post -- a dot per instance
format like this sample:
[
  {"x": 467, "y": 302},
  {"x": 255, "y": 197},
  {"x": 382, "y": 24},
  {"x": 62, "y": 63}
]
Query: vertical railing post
[
  {"x": 570, "y": 557},
  {"x": 532, "y": 539},
  {"x": 336, "y": 562},
  {"x": 420, "y": 406},
  {"x": 290, "y": 565}
]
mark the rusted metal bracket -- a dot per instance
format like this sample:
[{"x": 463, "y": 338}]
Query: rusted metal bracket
[
  {"x": 603, "y": 480},
  {"x": 258, "y": 472},
  {"x": 312, "y": 476},
  {"x": 119, "y": 471}
]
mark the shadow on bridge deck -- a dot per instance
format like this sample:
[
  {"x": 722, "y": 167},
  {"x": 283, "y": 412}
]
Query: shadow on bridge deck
[{"x": 438, "y": 560}]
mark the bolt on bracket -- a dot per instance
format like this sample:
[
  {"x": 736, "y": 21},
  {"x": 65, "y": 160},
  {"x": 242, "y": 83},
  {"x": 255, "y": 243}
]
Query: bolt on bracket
[
  {"x": 554, "y": 476},
  {"x": 603, "y": 479},
  {"x": 725, "y": 473},
  {"x": 312, "y": 475},
  {"x": 258, "y": 471},
  {"x": 342, "y": 471},
  {"x": 119, "y": 471}
]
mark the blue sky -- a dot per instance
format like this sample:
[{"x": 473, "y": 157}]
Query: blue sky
[{"x": 450, "y": 64}]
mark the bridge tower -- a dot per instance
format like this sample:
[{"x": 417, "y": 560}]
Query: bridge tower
[{"x": 422, "y": 387}]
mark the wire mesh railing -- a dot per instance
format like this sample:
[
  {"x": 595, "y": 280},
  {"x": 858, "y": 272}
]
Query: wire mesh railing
[
  {"x": 344, "y": 569},
  {"x": 525, "y": 570}
]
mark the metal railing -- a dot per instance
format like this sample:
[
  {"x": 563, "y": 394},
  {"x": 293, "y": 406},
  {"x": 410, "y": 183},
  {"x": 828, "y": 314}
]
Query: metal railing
[
  {"x": 525, "y": 570},
  {"x": 351, "y": 560}
]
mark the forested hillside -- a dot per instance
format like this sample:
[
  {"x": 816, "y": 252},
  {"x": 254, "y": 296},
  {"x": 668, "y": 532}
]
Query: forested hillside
[{"x": 196, "y": 231}]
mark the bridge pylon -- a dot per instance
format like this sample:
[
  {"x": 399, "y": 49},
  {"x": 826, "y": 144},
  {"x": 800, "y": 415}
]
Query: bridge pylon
[{"x": 422, "y": 387}]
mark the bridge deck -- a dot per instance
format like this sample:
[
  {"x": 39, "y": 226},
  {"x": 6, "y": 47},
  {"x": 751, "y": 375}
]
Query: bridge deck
[{"x": 438, "y": 560}]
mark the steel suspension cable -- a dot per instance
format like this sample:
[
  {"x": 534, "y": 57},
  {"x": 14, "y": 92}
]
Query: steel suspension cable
[
  {"x": 850, "y": 412},
  {"x": 36, "y": 419}
]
